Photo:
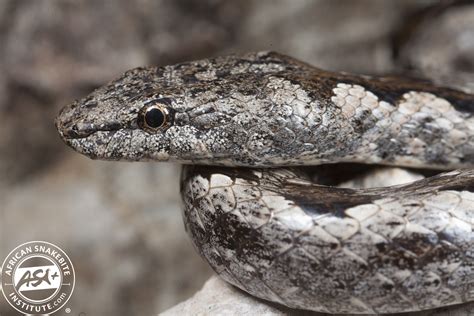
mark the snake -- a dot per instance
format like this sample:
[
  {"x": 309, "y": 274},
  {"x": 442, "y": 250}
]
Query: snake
[{"x": 250, "y": 129}]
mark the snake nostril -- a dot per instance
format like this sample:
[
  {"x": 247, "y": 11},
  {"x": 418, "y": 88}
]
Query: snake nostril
[
  {"x": 68, "y": 125},
  {"x": 68, "y": 129},
  {"x": 82, "y": 129},
  {"x": 71, "y": 132},
  {"x": 90, "y": 104}
]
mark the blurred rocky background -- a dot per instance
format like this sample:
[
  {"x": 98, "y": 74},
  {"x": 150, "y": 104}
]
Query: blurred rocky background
[{"x": 121, "y": 223}]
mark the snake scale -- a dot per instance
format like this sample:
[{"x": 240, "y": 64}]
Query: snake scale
[{"x": 247, "y": 128}]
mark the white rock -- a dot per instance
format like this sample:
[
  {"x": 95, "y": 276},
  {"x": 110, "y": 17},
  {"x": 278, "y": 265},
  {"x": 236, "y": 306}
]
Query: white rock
[{"x": 219, "y": 298}]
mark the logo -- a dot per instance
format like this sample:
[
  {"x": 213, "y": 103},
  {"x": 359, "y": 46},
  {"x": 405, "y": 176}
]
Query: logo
[{"x": 37, "y": 278}]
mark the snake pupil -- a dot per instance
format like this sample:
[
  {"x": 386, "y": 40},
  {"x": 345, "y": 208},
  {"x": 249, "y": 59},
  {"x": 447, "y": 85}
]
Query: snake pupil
[{"x": 154, "y": 117}]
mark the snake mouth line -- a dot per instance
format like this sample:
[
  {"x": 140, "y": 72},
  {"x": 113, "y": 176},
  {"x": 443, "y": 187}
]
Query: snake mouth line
[
  {"x": 72, "y": 125},
  {"x": 69, "y": 130}
]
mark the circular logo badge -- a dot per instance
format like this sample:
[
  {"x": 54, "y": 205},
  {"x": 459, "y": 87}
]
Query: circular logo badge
[{"x": 37, "y": 278}]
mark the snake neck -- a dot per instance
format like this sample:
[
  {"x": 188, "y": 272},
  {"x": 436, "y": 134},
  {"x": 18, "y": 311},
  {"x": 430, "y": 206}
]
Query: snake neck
[{"x": 385, "y": 120}]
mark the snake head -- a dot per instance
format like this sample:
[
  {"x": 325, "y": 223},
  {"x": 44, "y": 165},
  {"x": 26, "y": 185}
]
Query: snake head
[{"x": 229, "y": 110}]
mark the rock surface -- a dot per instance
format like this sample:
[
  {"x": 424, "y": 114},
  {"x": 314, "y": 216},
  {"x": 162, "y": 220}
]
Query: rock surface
[{"x": 219, "y": 298}]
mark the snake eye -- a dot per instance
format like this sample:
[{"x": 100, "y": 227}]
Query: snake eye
[{"x": 153, "y": 117}]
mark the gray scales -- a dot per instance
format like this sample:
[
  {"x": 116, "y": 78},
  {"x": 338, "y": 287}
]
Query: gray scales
[{"x": 248, "y": 128}]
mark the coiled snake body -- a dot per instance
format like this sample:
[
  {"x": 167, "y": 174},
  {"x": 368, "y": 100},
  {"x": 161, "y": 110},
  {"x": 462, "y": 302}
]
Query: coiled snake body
[{"x": 241, "y": 125}]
